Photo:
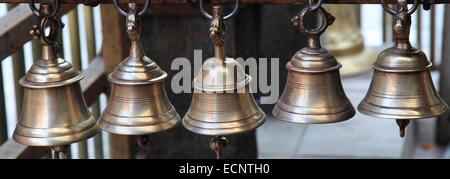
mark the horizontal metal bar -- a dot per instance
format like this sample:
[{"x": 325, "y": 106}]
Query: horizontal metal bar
[
  {"x": 93, "y": 2},
  {"x": 92, "y": 86}
]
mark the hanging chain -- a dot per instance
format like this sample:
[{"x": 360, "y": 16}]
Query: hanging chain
[
  {"x": 402, "y": 24},
  {"x": 47, "y": 15}
]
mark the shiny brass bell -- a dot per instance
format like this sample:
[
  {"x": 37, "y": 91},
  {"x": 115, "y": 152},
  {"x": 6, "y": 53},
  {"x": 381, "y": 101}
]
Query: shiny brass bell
[
  {"x": 221, "y": 103},
  {"x": 313, "y": 92},
  {"x": 54, "y": 112},
  {"x": 138, "y": 103},
  {"x": 401, "y": 86}
]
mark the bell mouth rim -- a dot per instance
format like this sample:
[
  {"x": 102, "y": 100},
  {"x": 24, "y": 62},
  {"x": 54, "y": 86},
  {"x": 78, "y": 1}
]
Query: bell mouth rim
[
  {"x": 220, "y": 131},
  {"x": 158, "y": 79},
  {"x": 138, "y": 130},
  {"x": 58, "y": 140},
  {"x": 361, "y": 108},
  {"x": 41, "y": 85},
  {"x": 291, "y": 67},
  {"x": 344, "y": 115},
  {"x": 378, "y": 67}
]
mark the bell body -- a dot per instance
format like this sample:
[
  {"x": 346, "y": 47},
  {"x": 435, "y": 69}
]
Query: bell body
[
  {"x": 313, "y": 92},
  {"x": 54, "y": 111},
  {"x": 346, "y": 42},
  {"x": 138, "y": 103},
  {"x": 138, "y": 109},
  {"x": 54, "y": 116},
  {"x": 222, "y": 103},
  {"x": 402, "y": 87}
]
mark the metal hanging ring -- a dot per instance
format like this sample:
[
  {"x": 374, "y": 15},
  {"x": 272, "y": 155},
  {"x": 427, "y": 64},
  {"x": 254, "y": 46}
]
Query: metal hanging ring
[
  {"x": 209, "y": 16},
  {"x": 54, "y": 30},
  {"x": 325, "y": 21},
  {"x": 315, "y": 6},
  {"x": 55, "y": 8},
  {"x": 393, "y": 12},
  {"x": 124, "y": 13}
]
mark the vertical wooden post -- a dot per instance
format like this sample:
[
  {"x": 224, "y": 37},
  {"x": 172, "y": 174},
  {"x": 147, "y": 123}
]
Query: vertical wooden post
[
  {"x": 36, "y": 49},
  {"x": 3, "y": 123},
  {"x": 432, "y": 37},
  {"x": 443, "y": 122},
  {"x": 419, "y": 27},
  {"x": 76, "y": 62},
  {"x": 115, "y": 49},
  {"x": 91, "y": 53},
  {"x": 19, "y": 71}
]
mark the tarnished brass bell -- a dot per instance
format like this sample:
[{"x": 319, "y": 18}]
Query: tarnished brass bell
[
  {"x": 54, "y": 111},
  {"x": 401, "y": 86},
  {"x": 221, "y": 103},
  {"x": 313, "y": 92},
  {"x": 138, "y": 103}
]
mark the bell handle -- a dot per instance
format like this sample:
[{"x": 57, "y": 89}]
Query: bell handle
[
  {"x": 313, "y": 34},
  {"x": 36, "y": 12},
  {"x": 393, "y": 12},
  {"x": 124, "y": 13},
  {"x": 209, "y": 16}
]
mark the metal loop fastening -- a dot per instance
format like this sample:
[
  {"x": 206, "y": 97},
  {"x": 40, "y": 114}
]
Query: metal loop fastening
[
  {"x": 393, "y": 12},
  {"x": 209, "y": 16},
  {"x": 124, "y": 13},
  {"x": 55, "y": 6},
  {"x": 55, "y": 28},
  {"x": 327, "y": 19},
  {"x": 316, "y": 6}
]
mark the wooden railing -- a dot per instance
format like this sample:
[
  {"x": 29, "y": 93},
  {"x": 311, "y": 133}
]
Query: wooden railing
[{"x": 14, "y": 27}]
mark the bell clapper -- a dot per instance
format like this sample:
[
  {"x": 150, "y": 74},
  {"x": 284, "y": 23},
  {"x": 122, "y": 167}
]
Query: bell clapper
[
  {"x": 402, "y": 123},
  {"x": 143, "y": 141},
  {"x": 218, "y": 143},
  {"x": 60, "y": 152}
]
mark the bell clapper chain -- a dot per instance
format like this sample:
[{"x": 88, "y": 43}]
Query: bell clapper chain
[
  {"x": 401, "y": 30},
  {"x": 217, "y": 144},
  {"x": 217, "y": 33}
]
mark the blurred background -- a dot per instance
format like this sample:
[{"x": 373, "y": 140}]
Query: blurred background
[{"x": 359, "y": 33}]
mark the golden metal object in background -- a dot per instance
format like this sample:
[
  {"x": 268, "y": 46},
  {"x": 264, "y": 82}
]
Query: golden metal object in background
[
  {"x": 138, "y": 103},
  {"x": 54, "y": 112},
  {"x": 221, "y": 103},
  {"x": 345, "y": 41},
  {"x": 401, "y": 86},
  {"x": 313, "y": 92}
]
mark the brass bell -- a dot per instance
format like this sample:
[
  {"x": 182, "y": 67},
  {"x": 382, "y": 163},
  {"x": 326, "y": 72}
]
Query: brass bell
[
  {"x": 313, "y": 92},
  {"x": 54, "y": 111},
  {"x": 221, "y": 103},
  {"x": 346, "y": 42},
  {"x": 401, "y": 86},
  {"x": 138, "y": 103}
]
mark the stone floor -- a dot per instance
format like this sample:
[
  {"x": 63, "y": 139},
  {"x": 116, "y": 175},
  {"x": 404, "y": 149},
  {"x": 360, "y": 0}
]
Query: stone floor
[{"x": 360, "y": 137}]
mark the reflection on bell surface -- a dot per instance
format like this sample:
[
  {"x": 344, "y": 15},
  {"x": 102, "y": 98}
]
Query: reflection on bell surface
[
  {"x": 401, "y": 86},
  {"x": 54, "y": 111},
  {"x": 313, "y": 92},
  {"x": 221, "y": 103},
  {"x": 138, "y": 103}
]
